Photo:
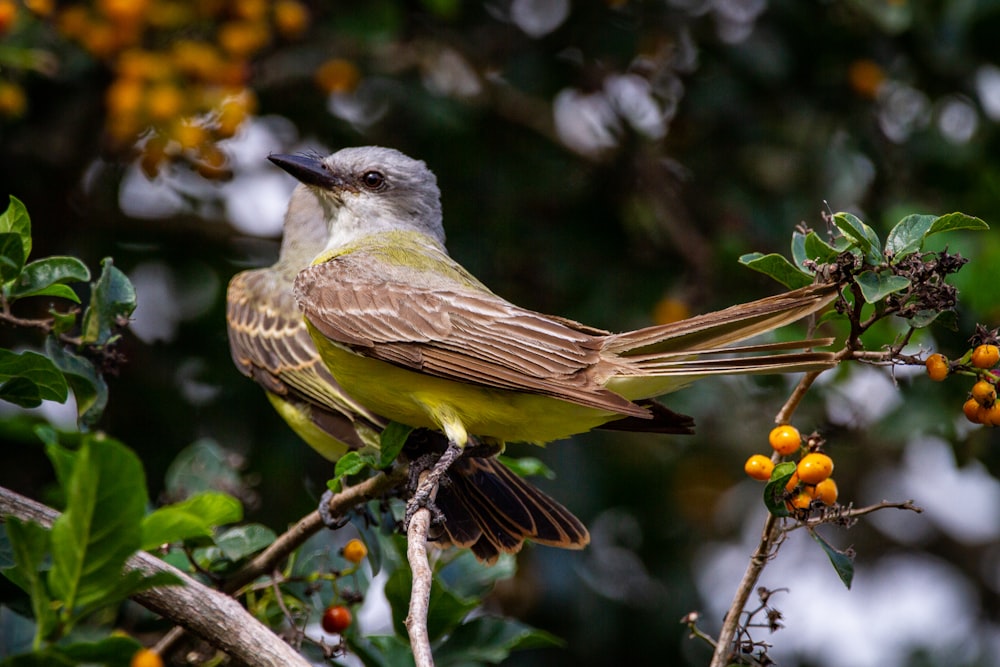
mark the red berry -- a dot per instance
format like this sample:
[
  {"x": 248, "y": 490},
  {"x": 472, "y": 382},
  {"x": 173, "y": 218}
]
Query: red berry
[{"x": 336, "y": 619}]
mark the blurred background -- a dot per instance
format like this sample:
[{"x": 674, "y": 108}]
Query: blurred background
[{"x": 605, "y": 161}]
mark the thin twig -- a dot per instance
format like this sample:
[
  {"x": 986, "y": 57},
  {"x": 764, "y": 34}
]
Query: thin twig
[
  {"x": 311, "y": 524},
  {"x": 420, "y": 591},
  {"x": 852, "y": 513}
]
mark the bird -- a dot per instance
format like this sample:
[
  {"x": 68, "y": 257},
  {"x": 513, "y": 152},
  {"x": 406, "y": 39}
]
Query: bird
[
  {"x": 414, "y": 336},
  {"x": 485, "y": 506}
]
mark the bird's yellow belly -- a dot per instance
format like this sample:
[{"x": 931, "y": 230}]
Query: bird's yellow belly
[{"x": 457, "y": 408}]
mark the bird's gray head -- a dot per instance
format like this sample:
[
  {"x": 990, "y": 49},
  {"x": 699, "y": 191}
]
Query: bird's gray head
[{"x": 368, "y": 189}]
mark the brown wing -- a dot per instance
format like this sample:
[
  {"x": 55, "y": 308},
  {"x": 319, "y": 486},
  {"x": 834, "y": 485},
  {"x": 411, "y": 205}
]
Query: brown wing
[
  {"x": 269, "y": 343},
  {"x": 459, "y": 334}
]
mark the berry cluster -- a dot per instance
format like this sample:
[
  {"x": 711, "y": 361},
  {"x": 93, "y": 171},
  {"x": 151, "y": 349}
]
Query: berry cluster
[
  {"x": 337, "y": 617},
  {"x": 811, "y": 481},
  {"x": 180, "y": 68},
  {"x": 981, "y": 407}
]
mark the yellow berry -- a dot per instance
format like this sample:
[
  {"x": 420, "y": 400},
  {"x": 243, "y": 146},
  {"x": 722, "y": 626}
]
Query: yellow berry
[
  {"x": 785, "y": 439},
  {"x": 937, "y": 367},
  {"x": 985, "y": 393},
  {"x": 985, "y": 356},
  {"x": 146, "y": 658},
  {"x": 814, "y": 468},
  {"x": 759, "y": 467},
  {"x": 826, "y": 491},
  {"x": 13, "y": 100},
  {"x": 355, "y": 551}
]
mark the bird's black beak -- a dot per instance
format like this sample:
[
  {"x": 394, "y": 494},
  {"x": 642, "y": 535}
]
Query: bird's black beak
[{"x": 308, "y": 169}]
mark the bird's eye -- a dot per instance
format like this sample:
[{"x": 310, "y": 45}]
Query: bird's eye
[{"x": 373, "y": 180}]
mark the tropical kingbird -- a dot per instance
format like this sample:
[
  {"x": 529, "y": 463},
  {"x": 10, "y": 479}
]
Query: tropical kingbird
[
  {"x": 413, "y": 336},
  {"x": 486, "y": 507}
]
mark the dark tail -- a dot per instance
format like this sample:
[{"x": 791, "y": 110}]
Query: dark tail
[{"x": 490, "y": 510}]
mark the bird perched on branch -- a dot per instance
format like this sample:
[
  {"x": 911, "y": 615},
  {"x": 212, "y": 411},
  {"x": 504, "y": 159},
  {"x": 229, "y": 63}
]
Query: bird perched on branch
[
  {"x": 486, "y": 507},
  {"x": 412, "y": 335}
]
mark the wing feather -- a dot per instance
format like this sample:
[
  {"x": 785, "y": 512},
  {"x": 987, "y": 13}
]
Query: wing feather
[{"x": 462, "y": 334}]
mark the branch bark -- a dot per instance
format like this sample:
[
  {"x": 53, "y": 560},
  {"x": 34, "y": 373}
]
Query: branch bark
[{"x": 213, "y": 616}]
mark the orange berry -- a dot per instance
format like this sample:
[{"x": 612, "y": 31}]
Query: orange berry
[
  {"x": 792, "y": 482},
  {"x": 814, "y": 468},
  {"x": 243, "y": 38},
  {"x": 972, "y": 410},
  {"x": 8, "y": 16},
  {"x": 985, "y": 356},
  {"x": 670, "y": 309},
  {"x": 124, "y": 97},
  {"x": 800, "y": 501},
  {"x": 189, "y": 135},
  {"x": 338, "y": 76},
  {"x": 759, "y": 467},
  {"x": 985, "y": 393},
  {"x": 990, "y": 416},
  {"x": 13, "y": 101},
  {"x": 785, "y": 439},
  {"x": 164, "y": 101},
  {"x": 291, "y": 18},
  {"x": 42, "y": 8},
  {"x": 826, "y": 491},
  {"x": 146, "y": 658},
  {"x": 355, "y": 551},
  {"x": 937, "y": 367},
  {"x": 865, "y": 77}
]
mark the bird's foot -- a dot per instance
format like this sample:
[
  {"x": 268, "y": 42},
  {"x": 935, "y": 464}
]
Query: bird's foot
[
  {"x": 424, "y": 480},
  {"x": 329, "y": 520}
]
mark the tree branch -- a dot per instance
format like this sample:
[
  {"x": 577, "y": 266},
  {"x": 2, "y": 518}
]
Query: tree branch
[{"x": 213, "y": 616}]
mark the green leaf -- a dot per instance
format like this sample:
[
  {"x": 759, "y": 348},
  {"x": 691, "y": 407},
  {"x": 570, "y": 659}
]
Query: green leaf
[
  {"x": 774, "y": 490},
  {"x": 842, "y": 562},
  {"x": 799, "y": 249},
  {"x": 863, "y": 236},
  {"x": 242, "y": 541},
  {"x": 381, "y": 650},
  {"x": 391, "y": 442},
  {"x": 46, "y": 277},
  {"x": 877, "y": 286},
  {"x": 819, "y": 250},
  {"x": 129, "y": 584},
  {"x": 528, "y": 466},
  {"x": 198, "y": 516},
  {"x": 112, "y": 300},
  {"x": 105, "y": 502},
  {"x": 16, "y": 220},
  {"x": 62, "y": 322},
  {"x": 907, "y": 236},
  {"x": 488, "y": 639},
  {"x": 11, "y": 256},
  {"x": 350, "y": 463},
  {"x": 777, "y": 267},
  {"x": 47, "y": 382},
  {"x": 445, "y": 610},
  {"x": 924, "y": 318},
  {"x": 89, "y": 387},
  {"x": 30, "y": 543},
  {"x": 114, "y": 651},
  {"x": 201, "y": 466},
  {"x": 952, "y": 221}
]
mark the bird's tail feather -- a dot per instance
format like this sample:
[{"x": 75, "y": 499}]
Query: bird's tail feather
[
  {"x": 490, "y": 510},
  {"x": 723, "y": 327}
]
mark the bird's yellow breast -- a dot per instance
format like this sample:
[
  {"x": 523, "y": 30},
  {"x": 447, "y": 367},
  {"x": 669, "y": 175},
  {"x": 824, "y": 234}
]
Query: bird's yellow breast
[{"x": 457, "y": 408}]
